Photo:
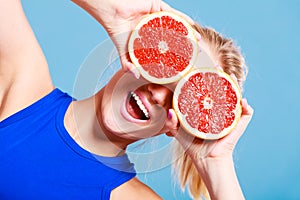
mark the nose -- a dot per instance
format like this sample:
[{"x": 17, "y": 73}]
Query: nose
[{"x": 160, "y": 95}]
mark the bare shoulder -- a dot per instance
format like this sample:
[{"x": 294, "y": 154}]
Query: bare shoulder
[{"x": 134, "y": 189}]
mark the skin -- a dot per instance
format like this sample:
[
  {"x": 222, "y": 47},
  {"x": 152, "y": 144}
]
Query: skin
[
  {"x": 25, "y": 78},
  {"x": 106, "y": 119}
]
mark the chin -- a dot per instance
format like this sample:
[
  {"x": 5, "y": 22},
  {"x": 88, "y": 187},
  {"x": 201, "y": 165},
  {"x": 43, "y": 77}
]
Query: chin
[{"x": 110, "y": 123}]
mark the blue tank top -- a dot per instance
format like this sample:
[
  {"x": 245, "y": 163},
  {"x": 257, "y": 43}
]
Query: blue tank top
[{"x": 40, "y": 160}]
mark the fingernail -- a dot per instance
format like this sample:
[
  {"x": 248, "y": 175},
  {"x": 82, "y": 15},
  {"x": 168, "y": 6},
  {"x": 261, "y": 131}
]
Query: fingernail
[
  {"x": 198, "y": 36},
  {"x": 219, "y": 67},
  {"x": 137, "y": 75},
  {"x": 135, "y": 72},
  {"x": 245, "y": 100},
  {"x": 169, "y": 114},
  {"x": 233, "y": 76}
]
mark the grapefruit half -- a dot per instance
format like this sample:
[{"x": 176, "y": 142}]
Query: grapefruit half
[
  {"x": 163, "y": 47},
  {"x": 207, "y": 102}
]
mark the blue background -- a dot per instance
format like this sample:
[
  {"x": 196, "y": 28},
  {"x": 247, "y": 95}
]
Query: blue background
[{"x": 268, "y": 155}]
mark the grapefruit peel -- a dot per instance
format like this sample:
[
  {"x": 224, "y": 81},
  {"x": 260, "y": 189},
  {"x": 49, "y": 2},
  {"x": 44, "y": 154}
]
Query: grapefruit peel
[
  {"x": 182, "y": 117},
  {"x": 163, "y": 46}
]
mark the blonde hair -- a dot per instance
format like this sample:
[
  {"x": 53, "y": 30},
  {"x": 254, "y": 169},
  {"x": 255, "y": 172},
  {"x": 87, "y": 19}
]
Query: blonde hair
[{"x": 229, "y": 57}]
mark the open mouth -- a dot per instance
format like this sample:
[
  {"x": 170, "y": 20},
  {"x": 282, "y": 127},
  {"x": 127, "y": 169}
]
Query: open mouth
[{"x": 136, "y": 108}]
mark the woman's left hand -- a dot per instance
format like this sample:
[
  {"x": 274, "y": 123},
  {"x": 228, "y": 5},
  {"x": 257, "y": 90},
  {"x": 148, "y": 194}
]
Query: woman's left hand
[{"x": 200, "y": 149}]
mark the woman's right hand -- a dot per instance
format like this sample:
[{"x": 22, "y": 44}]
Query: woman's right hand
[{"x": 119, "y": 18}]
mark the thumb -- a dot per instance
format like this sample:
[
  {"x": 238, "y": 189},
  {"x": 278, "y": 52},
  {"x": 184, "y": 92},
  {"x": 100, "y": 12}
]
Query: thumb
[
  {"x": 127, "y": 65},
  {"x": 172, "y": 123},
  {"x": 247, "y": 113}
]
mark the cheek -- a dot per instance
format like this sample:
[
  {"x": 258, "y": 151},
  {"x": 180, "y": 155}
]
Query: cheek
[{"x": 109, "y": 120}]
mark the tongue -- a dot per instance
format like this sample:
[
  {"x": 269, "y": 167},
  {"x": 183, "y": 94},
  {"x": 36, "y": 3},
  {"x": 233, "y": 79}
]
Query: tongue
[{"x": 134, "y": 110}]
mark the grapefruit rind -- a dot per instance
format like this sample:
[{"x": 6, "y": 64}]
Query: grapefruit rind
[
  {"x": 182, "y": 119},
  {"x": 135, "y": 34}
]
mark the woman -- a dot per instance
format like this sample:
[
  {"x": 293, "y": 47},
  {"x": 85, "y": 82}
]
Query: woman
[{"x": 56, "y": 148}]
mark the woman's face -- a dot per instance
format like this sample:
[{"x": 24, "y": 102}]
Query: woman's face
[{"x": 135, "y": 108}]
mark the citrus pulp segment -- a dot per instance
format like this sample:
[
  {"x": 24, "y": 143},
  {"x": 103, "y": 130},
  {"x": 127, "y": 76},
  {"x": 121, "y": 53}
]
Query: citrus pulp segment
[
  {"x": 207, "y": 102},
  {"x": 163, "y": 47}
]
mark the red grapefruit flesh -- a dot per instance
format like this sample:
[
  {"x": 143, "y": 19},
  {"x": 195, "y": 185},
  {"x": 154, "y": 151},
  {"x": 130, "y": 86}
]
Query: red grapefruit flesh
[
  {"x": 163, "y": 47},
  {"x": 207, "y": 102}
]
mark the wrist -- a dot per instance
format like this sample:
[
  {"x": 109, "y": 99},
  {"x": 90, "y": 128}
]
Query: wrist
[
  {"x": 204, "y": 165},
  {"x": 218, "y": 174},
  {"x": 100, "y": 10}
]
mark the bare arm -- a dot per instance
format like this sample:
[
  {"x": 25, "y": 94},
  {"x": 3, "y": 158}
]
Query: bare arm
[
  {"x": 120, "y": 17},
  {"x": 217, "y": 166},
  {"x": 24, "y": 75},
  {"x": 220, "y": 178},
  {"x": 213, "y": 159}
]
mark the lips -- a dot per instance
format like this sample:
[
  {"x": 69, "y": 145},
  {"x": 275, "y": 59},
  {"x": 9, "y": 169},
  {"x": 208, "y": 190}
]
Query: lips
[{"x": 136, "y": 108}]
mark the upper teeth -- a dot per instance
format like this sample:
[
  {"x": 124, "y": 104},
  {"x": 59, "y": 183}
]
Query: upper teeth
[{"x": 140, "y": 104}]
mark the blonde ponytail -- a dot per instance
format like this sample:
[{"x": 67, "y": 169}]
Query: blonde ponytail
[
  {"x": 232, "y": 61},
  {"x": 187, "y": 174}
]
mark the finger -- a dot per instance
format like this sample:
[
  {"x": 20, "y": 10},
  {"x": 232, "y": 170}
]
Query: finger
[
  {"x": 172, "y": 122},
  {"x": 219, "y": 67},
  {"x": 165, "y": 7},
  {"x": 234, "y": 78},
  {"x": 129, "y": 66},
  {"x": 240, "y": 128},
  {"x": 135, "y": 72},
  {"x": 246, "y": 108},
  {"x": 156, "y": 6},
  {"x": 197, "y": 35}
]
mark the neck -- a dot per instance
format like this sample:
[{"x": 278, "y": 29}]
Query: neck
[{"x": 84, "y": 123}]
